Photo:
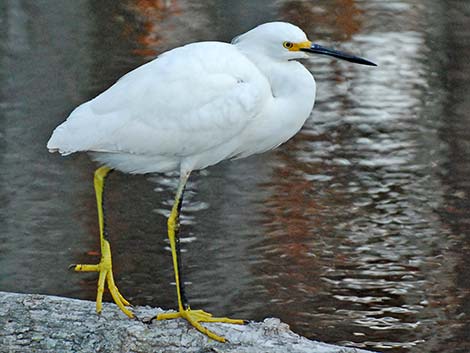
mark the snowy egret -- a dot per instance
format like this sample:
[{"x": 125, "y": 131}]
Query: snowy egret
[{"x": 188, "y": 109}]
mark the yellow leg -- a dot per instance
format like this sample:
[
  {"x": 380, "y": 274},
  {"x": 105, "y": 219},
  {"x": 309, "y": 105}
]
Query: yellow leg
[
  {"x": 105, "y": 266},
  {"x": 194, "y": 317}
]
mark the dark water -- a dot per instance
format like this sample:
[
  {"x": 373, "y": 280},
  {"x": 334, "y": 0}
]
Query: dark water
[{"x": 355, "y": 232}]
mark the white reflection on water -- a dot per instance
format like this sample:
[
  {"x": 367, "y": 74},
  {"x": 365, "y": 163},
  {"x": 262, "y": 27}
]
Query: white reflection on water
[{"x": 354, "y": 232}]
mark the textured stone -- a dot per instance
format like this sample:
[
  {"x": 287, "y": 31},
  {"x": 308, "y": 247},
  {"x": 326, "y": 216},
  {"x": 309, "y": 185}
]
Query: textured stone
[{"x": 39, "y": 323}]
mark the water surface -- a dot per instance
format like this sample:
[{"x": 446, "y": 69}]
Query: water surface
[{"x": 355, "y": 232}]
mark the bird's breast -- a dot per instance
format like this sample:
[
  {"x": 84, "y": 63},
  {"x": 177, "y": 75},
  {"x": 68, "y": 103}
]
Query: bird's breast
[{"x": 293, "y": 95}]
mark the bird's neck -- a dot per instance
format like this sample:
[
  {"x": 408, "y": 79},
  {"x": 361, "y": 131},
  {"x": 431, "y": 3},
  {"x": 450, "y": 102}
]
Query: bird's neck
[
  {"x": 287, "y": 78},
  {"x": 293, "y": 89}
]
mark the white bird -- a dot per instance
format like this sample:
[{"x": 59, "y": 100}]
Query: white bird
[{"x": 189, "y": 109}]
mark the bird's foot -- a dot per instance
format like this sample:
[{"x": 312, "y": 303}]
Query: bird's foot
[
  {"x": 105, "y": 275},
  {"x": 195, "y": 317}
]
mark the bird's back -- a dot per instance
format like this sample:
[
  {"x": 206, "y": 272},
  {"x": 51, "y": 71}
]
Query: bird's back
[{"x": 187, "y": 101}]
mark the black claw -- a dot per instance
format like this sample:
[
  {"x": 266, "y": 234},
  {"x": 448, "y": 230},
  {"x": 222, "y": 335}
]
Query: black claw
[
  {"x": 148, "y": 321},
  {"x": 72, "y": 266}
]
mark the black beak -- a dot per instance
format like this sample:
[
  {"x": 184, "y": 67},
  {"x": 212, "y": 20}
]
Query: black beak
[{"x": 318, "y": 49}]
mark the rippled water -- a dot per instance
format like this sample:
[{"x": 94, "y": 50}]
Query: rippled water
[{"x": 355, "y": 232}]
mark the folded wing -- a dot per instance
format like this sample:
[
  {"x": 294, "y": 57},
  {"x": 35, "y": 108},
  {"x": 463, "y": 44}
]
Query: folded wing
[{"x": 185, "y": 102}]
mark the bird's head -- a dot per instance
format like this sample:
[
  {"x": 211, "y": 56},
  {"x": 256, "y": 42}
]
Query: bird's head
[{"x": 284, "y": 41}]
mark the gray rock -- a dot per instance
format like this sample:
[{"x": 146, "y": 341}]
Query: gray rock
[{"x": 40, "y": 323}]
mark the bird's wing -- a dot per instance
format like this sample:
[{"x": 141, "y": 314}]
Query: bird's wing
[{"x": 186, "y": 101}]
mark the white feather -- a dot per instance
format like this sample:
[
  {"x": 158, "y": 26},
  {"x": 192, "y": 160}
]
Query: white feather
[{"x": 194, "y": 106}]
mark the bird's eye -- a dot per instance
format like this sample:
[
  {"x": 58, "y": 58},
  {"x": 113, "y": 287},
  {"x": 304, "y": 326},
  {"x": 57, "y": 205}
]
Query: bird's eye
[{"x": 287, "y": 45}]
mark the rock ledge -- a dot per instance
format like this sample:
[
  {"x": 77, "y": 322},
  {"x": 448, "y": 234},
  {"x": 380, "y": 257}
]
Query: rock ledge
[{"x": 41, "y": 323}]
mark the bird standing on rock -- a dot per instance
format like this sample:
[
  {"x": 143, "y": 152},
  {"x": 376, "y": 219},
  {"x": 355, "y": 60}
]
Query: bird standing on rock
[{"x": 189, "y": 109}]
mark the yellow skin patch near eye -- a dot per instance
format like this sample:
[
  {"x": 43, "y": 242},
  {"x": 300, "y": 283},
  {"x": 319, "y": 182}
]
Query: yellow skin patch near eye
[{"x": 297, "y": 46}]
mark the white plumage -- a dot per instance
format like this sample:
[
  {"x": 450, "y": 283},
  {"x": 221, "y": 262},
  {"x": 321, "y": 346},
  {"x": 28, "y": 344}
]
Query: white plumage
[
  {"x": 190, "y": 108},
  {"x": 196, "y": 105}
]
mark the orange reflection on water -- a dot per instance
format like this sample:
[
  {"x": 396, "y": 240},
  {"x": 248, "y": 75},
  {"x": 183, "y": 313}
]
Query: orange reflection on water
[
  {"x": 341, "y": 17},
  {"x": 292, "y": 218},
  {"x": 151, "y": 14}
]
